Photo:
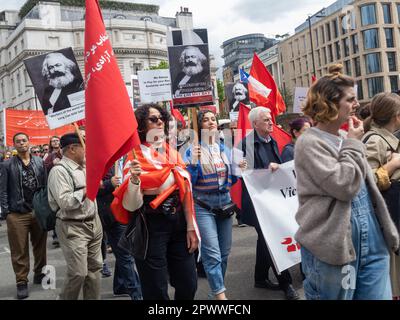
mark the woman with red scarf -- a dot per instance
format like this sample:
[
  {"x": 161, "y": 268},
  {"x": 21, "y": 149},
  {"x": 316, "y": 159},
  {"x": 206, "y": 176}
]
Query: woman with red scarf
[{"x": 159, "y": 193}]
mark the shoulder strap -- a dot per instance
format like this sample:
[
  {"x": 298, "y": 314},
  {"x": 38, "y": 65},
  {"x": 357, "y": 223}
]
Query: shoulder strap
[
  {"x": 376, "y": 134},
  {"x": 69, "y": 173}
]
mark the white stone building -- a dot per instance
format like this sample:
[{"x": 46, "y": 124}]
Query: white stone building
[{"x": 136, "y": 31}]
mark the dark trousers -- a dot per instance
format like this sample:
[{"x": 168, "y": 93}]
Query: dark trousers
[
  {"x": 264, "y": 263},
  {"x": 126, "y": 279},
  {"x": 167, "y": 258}
]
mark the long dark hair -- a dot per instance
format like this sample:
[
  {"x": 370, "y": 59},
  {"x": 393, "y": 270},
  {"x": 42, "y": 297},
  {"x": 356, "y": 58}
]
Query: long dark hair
[
  {"x": 142, "y": 113},
  {"x": 200, "y": 116}
]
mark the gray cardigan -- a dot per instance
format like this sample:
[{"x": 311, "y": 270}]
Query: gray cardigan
[{"x": 327, "y": 181}]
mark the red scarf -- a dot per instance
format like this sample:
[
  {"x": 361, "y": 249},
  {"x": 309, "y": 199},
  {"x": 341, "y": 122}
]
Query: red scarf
[{"x": 154, "y": 177}]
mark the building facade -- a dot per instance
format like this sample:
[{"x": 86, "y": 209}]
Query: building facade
[
  {"x": 239, "y": 49},
  {"x": 363, "y": 35},
  {"x": 137, "y": 32}
]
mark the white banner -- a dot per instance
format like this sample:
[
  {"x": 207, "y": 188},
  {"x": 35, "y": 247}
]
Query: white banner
[
  {"x": 274, "y": 197},
  {"x": 300, "y": 96},
  {"x": 154, "y": 85}
]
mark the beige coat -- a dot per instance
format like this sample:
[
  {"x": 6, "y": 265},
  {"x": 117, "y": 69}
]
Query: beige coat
[{"x": 379, "y": 152}]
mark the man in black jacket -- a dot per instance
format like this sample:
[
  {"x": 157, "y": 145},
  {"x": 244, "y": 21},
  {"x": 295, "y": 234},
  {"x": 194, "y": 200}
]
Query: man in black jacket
[
  {"x": 261, "y": 152},
  {"x": 21, "y": 177}
]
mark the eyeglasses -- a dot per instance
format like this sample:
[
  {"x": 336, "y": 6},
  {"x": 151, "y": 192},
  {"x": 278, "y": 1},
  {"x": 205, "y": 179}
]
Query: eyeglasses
[
  {"x": 36, "y": 152},
  {"x": 154, "y": 119}
]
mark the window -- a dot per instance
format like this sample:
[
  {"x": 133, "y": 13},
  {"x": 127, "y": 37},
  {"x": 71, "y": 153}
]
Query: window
[
  {"x": 344, "y": 23},
  {"x": 347, "y": 67},
  {"x": 323, "y": 34},
  {"x": 398, "y": 12},
  {"x": 373, "y": 63},
  {"x": 2, "y": 91},
  {"x": 335, "y": 28},
  {"x": 360, "y": 92},
  {"x": 394, "y": 83},
  {"x": 389, "y": 37},
  {"x": 319, "y": 57},
  {"x": 387, "y": 14},
  {"x": 354, "y": 40},
  {"x": 324, "y": 55},
  {"x": 316, "y": 37},
  {"x": 375, "y": 86},
  {"x": 346, "y": 47},
  {"x": 357, "y": 67},
  {"x": 368, "y": 14},
  {"x": 328, "y": 31},
  {"x": 337, "y": 48},
  {"x": 392, "y": 61},
  {"x": 12, "y": 87},
  {"x": 330, "y": 53},
  {"x": 371, "y": 39},
  {"x": 22, "y": 44},
  {"x": 18, "y": 83}
]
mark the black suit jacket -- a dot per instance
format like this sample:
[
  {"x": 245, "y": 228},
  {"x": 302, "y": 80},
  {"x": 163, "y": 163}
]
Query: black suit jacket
[
  {"x": 202, "y": 78},
  {"x": 62, "y": 101}
]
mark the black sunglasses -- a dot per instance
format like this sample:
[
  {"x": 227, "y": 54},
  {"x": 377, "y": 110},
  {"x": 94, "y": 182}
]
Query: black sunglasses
[
  {"x": 35, "y": 151},
  {"x": 155, "y": 119}
]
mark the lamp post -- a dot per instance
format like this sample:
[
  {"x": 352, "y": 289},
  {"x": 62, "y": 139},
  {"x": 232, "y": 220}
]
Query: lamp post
[{"x": 319, "y": 14}]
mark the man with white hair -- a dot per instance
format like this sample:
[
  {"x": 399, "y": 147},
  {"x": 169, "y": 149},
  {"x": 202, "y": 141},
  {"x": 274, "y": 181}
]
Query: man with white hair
[
  {"x": 60, "y": 72},
  {"x": 261, "y": 152},
  {"x": 194, "y": 71},
  {"x": 239, "y": 91}
]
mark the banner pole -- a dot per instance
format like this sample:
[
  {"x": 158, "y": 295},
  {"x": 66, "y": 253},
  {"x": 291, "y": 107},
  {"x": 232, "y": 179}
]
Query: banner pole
[
  {"x": 78, "y": 132},
  {"x": 4, "y": 128}
]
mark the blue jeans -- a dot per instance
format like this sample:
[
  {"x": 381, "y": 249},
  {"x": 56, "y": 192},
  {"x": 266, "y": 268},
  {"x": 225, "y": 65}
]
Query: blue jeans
[
  {"x": 126, "y": 279},
  {"x": 216, "y": 238},
  {"x": 366, "y": 278}
]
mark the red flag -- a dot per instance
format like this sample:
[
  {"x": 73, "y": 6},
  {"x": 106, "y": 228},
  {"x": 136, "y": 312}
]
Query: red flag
[
  {"x": 178, "y": 115},
  {"x": 274, "y": 101},
  {"x": 281, "y": 137},
  {"x": 242, "y": 126},
  {"x": 111, "y": 127},
  {"x": 313, "y": 78}
]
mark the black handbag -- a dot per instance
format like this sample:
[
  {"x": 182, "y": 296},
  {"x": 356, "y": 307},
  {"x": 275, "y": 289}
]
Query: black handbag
[
  {"x": 135, "y": 239},
  {"x": 392, "y": 199},
  {"x": 224, "y": 213}
]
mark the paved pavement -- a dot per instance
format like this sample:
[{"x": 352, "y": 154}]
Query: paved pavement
[{"x": 239, "y": 278}]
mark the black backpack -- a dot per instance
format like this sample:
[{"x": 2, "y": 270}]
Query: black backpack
[{"x": 45, "y": 216}]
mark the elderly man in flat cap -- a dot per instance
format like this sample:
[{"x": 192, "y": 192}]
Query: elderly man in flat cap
[{"x": 78, "y": 224}]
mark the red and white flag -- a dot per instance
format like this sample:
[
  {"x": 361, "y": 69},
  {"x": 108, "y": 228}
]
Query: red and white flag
[
  {"x": 274, "y": 100},
  {"x": 111, "y": 127}
]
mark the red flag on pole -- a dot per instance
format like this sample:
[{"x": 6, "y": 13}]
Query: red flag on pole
[
  {"x": 111, "y": 127},
  {"x": 274, "y": 101}
]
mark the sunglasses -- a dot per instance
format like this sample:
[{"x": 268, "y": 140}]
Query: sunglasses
[
  {"x": 154, "y": 119},
  {"x": 35, "y": 151}
]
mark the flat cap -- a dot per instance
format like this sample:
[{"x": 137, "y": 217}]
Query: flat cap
[{"x": 69, "y": 138}]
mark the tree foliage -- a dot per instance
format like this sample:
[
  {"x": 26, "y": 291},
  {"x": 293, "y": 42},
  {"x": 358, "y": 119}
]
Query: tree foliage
[{"x": 104, "y": 4}]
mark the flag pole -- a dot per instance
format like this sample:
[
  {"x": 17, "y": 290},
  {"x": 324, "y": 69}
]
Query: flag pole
[{"x": 78, "y": 132}]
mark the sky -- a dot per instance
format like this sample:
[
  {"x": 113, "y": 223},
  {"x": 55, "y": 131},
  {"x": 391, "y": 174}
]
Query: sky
[{"x": 226, "y": 19}]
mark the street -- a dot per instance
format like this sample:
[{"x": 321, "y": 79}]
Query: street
[{"x": 239, "y": 278}]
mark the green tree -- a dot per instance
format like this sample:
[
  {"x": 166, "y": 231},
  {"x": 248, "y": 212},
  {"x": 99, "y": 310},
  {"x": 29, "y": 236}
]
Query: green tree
[
  {"x": 161, "y": 65},
  {"x": 221, "y": 96},
  {"x": 288, "y": 98}
]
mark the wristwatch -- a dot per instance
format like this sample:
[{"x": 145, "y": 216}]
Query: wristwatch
[{"x": 135, "y": 180}]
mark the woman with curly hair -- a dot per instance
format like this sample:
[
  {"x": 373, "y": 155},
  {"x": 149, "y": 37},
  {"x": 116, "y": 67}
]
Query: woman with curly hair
[
  {"x": 345, "y": 229},
  {"x": 159, "y": 194}
]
